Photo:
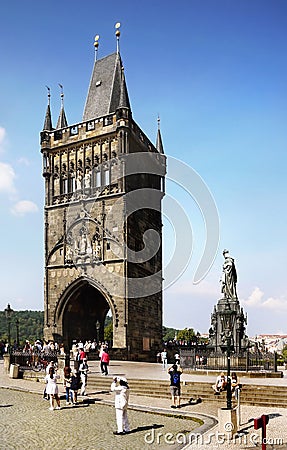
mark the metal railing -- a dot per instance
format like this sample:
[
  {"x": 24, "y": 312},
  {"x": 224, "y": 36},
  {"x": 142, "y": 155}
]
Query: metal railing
[
  {"x": 245, "y": 361},
  {"x": 37, "y": 361}
]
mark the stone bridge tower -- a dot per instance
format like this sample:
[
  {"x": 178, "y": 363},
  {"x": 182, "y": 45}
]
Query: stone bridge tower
[{"x": 104, "y": 184}]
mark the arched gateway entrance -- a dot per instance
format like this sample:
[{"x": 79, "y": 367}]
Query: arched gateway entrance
[{"x": 82, "y": 311}]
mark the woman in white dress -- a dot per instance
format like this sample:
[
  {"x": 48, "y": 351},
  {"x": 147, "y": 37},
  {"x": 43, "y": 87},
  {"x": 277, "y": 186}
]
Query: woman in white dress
[{"x": 52, "y": 388}]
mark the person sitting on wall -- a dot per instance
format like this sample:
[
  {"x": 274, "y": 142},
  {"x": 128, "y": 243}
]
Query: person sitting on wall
[
  {"x": 235, "y": 385},
  {"x": 220, "y": 384}
]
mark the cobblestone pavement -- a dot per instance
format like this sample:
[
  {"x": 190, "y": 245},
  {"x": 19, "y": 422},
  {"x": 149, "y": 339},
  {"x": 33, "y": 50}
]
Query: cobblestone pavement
[{"x": 27, "y": 423}]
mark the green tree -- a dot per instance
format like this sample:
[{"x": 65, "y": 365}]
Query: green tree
[
  {"x": 186, "y": 335},
  {"x": 108, "y": 334},
  {"x": 168, "y": 334},
  {"x": 30, "y": 325},
  {"x": 284, "y": 353}
]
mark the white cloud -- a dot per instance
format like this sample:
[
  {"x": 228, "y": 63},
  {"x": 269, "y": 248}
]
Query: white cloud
[
  {"x": 276, "y": 304},
  {"x": 7, "y": 177},
  {"x": 256, "y": 300},
  {"x": 24, "y": 207}
]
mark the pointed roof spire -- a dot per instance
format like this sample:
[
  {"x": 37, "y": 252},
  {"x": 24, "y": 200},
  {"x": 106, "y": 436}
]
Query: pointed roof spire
[
  {"x": 48, "y": 117},
  {"x": 124, "y": 98},
  {"x": 107, "y": 90},
  {"x": 159, "y": 145},
  {"x": 62, "y": 120}
]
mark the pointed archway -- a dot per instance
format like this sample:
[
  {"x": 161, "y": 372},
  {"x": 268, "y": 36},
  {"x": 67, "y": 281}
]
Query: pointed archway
[{"x": 82, "y": 312}]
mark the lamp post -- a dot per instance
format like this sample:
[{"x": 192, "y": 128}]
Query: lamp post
[
  {"x": 8, "y": 313},
  {"x": 17, "y": 332},
  {"x": 98, "y": 325},
  {"x": 227, "y": 321}
]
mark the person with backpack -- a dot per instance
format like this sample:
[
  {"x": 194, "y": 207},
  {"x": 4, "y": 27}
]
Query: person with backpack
[{"x": 175, "y": 372}]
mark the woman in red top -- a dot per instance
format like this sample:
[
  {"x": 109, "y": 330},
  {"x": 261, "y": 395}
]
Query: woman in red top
[
  {"x": 82, "y": 354},
  {"x": 105, "y": 359}
]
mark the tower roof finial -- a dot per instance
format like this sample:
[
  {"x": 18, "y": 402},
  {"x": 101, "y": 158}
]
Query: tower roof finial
[
  {"x": 62, "y": 94},
  {"x": 118, "y": 33},
  {"x": 49, "y": 94},
  {"x": 62, "y": 120},
  {"x": 159, "y": 145},
  {"x": 96, "y": 45},
  {"x": 48, "y": 118}
]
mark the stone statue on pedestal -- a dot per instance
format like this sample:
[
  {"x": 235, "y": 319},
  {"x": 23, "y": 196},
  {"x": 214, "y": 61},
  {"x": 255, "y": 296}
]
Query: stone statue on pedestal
[
  {"x": 228, "y": 318},
  {"x": 229, "y": 277}
]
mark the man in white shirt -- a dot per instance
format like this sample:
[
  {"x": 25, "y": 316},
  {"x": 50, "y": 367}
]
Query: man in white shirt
[
  {"x": 83, "y": 369},
  {"x": 220, "y": 384},
  {"x": 121, "y": 388},
  {"x": 164, "y": 359}
]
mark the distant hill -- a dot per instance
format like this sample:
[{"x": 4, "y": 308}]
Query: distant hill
[{"x": 31, "y": 325}]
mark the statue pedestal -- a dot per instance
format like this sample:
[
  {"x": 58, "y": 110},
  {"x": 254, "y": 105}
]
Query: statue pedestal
[{"x": 227, "y": 421}]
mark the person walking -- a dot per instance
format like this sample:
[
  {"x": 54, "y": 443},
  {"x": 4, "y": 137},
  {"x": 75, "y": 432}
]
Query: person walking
[
  {"x": 177, "y": 358},
  {"x": 83, "y": 369},
  {"x": 52, "y": 388},
  {"x": 121, "y": 389},
  {"x": 164, "y": 359},
  {"x": 105, "y": 360},
  {"x": 175, "y": 372},
  {"x": 67, "y": 384},
  {"x": 75, "y": 385}
]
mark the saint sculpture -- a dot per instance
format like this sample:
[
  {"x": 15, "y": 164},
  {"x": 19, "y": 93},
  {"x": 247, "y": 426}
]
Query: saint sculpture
[{"x": 229, "y": 277}]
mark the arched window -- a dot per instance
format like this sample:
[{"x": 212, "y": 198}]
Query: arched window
[
  {"x": 106, "y": 175},
  {"x": 97, "y": 178},
  {"x": 64, "y": 185}
]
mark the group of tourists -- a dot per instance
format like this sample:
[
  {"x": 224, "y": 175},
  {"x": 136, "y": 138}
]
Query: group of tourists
[
  {"x": 75, "y": 382},
  {"x": 221, "y": 382}
]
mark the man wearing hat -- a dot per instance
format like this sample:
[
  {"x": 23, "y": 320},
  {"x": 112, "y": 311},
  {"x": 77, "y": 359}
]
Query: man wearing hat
[{"x": 121, "y": 389}]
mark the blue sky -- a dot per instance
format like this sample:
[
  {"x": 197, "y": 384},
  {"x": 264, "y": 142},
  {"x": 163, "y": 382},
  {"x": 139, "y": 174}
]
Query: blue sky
[{"x": 216, "y": 73}]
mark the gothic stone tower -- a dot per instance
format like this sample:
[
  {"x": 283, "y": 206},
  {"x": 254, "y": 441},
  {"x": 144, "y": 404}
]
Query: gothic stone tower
[{"x": 104, "y": 183}]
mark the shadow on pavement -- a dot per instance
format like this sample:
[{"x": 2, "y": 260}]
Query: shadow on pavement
[
  {"x": 145, "y": 428},
  {"x": 192, "y": 401}
]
